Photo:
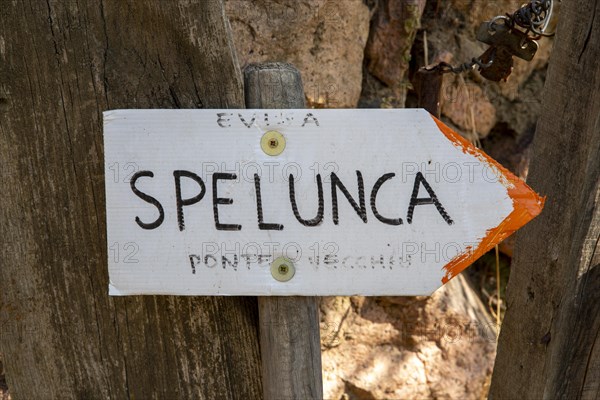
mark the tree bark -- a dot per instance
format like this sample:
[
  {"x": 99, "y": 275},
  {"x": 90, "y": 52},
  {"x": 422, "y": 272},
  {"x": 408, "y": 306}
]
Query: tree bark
[
  {"x": 550, "y": 341},
  {"x": 61, "y": 64},
  {"x": 289, "y": 326}
]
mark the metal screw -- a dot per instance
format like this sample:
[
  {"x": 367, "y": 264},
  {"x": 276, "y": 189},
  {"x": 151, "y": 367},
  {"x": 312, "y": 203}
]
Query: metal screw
[
  {"x": 282, "y": 269},
  {"x": 272, "y": 143}
]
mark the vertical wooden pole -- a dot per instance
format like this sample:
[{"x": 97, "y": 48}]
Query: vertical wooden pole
[
  {"x": 428, "y": 85},
  {"x": 289, "y": 326},
  {"x": 549, "y": 345}
]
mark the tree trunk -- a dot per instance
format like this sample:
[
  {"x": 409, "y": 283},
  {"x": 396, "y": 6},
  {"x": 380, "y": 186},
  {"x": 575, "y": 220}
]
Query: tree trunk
[
  {"x": 550, "y": 344},
  {"x": 61, "y": 64}
]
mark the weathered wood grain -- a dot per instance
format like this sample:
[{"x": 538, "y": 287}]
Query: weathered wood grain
[
  {"x": 550, "y": 341},
  {"x": 289, "y": 326},
  {"x": 428, "y": 85},
  {"x": 61, "y": 64}
]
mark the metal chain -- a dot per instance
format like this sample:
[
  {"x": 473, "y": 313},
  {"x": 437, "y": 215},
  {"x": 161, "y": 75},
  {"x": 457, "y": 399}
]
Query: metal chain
[
  {"x": 533, "y": 17},
  {"x": 445, "y": 68}
]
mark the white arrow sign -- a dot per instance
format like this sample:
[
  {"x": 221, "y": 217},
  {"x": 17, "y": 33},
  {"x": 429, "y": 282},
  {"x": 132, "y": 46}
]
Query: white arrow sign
[{"x": 299, "y": 202}]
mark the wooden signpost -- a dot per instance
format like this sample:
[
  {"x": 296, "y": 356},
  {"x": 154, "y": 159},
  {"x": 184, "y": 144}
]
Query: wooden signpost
[
  {"x": 371, "y": 202},
  {"x": 290, "y": 342},
  {"x": 298, "y": 202}
]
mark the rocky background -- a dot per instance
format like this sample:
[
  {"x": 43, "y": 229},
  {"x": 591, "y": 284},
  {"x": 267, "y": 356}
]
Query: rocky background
[{"x": 362, "y": 53}]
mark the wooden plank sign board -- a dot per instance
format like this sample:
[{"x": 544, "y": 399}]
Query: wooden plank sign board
[{"x": 299, "y": 202}]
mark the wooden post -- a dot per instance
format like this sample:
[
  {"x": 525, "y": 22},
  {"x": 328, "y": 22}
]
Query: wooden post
[
  {"x": 61, "y": 335},
  {"x": 289, "y": 326},
  {"x": 428, "y": 85},
  {"x": 549, "y": 345}
]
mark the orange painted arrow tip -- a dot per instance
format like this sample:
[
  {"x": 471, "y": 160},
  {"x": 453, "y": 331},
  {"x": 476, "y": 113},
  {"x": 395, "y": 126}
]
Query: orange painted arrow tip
[{"x": 527, "y": 205}]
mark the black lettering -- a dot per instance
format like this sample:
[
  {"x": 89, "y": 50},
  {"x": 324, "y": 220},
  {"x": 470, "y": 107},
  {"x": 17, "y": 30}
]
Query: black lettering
[
  {"x": 206, "y": 257},
  {"x": 319, "y": 218},
  {"x": 194, "y": 258},
  {"x": 186, "y": 202},
  {"x": 314, "y": 120},
  {"x": 234, "y": 263},
  {"x": 259, "y": 210},
  {"x": 432, "y": 199},
  {"x": 221, "y": 200},
  {"x": 376, "y": 187},
  {"x": 147, "y": 198},
  {"x": 336, "y": 183},
  {"x": 247, "y": 124},
  {"x": 222, "y": 120},
  {"x": 249, "y": 259}
]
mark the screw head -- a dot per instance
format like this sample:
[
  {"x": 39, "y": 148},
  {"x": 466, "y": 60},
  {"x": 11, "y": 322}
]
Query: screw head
[
  {"x": 272, "y": 143},
  {"x": 282, "y": 269}
]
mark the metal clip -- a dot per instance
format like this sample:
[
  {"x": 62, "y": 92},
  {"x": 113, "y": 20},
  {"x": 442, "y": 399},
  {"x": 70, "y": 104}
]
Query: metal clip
[{"x": 501, "y": 35}]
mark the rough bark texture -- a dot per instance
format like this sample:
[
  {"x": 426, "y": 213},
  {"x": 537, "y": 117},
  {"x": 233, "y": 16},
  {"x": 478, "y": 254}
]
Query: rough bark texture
[
  {"x": 550, "y": 341},
  {"x": 289, "y": 326},
  {"x": 61, "y": 64}
]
